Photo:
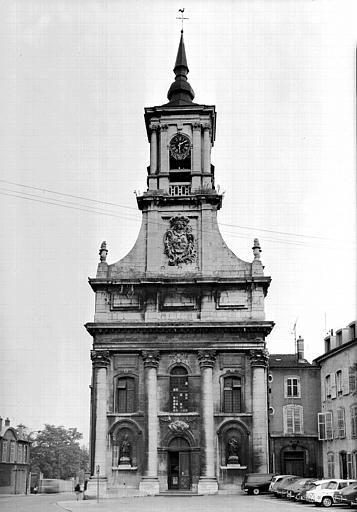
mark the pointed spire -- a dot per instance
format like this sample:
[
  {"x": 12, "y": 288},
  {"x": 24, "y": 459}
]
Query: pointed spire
[{"x": 180, "y": 92}]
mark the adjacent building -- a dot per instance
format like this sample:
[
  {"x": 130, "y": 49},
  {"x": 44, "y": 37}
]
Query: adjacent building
[
  {"x": 337, "y": 421},
  {"x": 294, "y": 401},
  {"x": 179, "y": 389},
  {"x": 14, "y": 459}
]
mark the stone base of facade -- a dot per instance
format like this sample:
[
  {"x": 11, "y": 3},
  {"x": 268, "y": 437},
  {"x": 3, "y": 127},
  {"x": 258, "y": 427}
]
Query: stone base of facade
[
  {"x": 95, "y": 487},
  {"x": 149, "y": 486},
  {"x": 207, "y": 486}
]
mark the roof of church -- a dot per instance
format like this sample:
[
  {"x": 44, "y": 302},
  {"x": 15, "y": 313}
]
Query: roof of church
[
  {"x": 287, "y": 361},
  {"x": 180, "y": 92}
]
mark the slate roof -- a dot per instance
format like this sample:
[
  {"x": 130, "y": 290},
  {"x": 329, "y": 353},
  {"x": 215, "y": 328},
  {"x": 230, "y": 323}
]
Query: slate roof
[{"x": 288, "y": 361}]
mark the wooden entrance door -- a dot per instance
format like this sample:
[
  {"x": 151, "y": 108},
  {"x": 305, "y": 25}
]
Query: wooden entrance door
[{"x": 179, "y": 476}]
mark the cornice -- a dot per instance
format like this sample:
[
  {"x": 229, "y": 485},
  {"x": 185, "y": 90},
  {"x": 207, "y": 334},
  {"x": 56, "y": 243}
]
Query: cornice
[
  {"x": 161, "y": 281},
  {"x": 162, "y": 199},
  {"x": 116, "y": 327},
  {"x": 335, "y": 351}
]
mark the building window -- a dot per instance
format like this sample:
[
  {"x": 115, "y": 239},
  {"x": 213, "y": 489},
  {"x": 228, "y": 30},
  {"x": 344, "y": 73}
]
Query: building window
[
  {"x": 341, "y": 424},
  {"x": 354, "y": 421},
  {"x": 125, "y": 394},
  {"x": 343, "y": 465},
  {"x": 12, "y": 451},
  {"x": 339, "y": 382},
  {"x": 330, "y": 465},
  {"x": 4, "y": 450},
  {"x": 292, "y": 387},
  {"x": 232, "y": 394},
  {"x": 179, "y": 389},
  {"x": 293, "y": 419},
  {"x": 328, "y": 386},
  {"x": 325, "y": 426},
  {"x": 349, "y": 465}
]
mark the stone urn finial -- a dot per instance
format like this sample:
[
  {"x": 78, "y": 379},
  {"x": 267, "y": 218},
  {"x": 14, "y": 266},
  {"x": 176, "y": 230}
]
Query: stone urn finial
[
  {"x": 103, "y": 251},
  {"x": 256, "y": 249}
]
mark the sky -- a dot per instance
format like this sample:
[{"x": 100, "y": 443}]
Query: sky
[{"x": 76, "y": 76}]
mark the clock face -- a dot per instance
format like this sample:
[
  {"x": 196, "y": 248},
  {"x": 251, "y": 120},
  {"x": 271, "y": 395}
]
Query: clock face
[{"x": 180, "y": 146}]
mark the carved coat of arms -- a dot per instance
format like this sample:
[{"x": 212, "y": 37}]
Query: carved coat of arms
[{"x": 179, "y": 241}]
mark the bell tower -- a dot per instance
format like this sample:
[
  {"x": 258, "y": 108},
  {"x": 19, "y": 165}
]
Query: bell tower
[
  {"x": 179, "y": 362},
  {"x": 181, "y": 135}
]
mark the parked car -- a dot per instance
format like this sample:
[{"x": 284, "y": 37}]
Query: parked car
[
  {"x": 288, "y": 487},
  {"x": 301, "y": 494},
  {"x": 284, "y": 482},
  {"x": 255, "y": 483},
  {"x": 297, "y": 486},
  {"x": 275, "y": 480},
  {"x": 326, "y": 496},
  {"x": 348, "y": 495}
]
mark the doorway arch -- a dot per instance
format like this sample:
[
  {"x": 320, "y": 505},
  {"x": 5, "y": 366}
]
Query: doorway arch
[{"x": 179, "y": 464}]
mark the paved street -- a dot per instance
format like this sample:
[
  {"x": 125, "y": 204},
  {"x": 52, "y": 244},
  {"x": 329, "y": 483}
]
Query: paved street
[{"x": 221, "y": 503}]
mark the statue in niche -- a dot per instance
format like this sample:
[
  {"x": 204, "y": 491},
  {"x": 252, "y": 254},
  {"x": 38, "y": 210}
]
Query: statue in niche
[
  {"x": 232, "y": 451},
  {"x": 179, "y": 241},
  {"x": 125, "y": 451}
]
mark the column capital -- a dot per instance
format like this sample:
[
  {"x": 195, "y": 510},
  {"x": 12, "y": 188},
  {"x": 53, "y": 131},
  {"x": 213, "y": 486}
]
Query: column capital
[
  {"x": 100, "y": 358},
  {"x": 151, "y": 358},
  {"x": 206, "y": 358},
  {"x": 259, "y": 357},
  {"x": 164, "y": 127},
  {"x": 196, "y": 125},
  {"x": 154, "y": 127}
]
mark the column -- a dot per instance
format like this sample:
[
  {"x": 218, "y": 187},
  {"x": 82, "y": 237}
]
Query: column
[
  {"x": 100, "y": 362},
  {"x": 164, "y": 159},
  {"x": 207, "y": 483},
  {"x": 153, "y": 149},
  {"x": 259, "y": 362},
  {"x": 206, "y": 149},
  {"x": 196, "y": 156},
  {"x": 150, "y": 483}
]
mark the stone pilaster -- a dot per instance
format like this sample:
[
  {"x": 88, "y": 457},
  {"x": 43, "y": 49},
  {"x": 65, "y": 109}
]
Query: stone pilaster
[
  {"x": 206, "y": 149},
  {"x": 259, "y": 362},
  {"x": 153, "y": 148},
  {"x": 207, "y": 483},
  {"x": 150, "y": 483},
  {"x": 100, "y": 362},
  {"x": 196, "y": 143}
]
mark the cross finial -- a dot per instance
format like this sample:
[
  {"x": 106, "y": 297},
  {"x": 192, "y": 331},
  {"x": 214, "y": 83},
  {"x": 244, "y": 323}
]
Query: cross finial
[{"x": 182, "y": 17}]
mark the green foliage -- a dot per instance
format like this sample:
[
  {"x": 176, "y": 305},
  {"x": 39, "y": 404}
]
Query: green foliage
[{"x": 56, "y": 453}]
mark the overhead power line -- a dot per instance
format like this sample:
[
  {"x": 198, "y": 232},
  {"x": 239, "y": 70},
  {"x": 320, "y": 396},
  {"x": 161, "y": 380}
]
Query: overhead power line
[{"x": 276, "y": 232}]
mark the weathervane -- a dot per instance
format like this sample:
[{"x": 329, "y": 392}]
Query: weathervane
[{"x": 182, "y": 17}]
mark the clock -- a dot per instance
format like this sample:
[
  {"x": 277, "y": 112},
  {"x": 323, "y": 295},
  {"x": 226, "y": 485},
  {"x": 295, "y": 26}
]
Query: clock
[{"x": 180, "y": 146}]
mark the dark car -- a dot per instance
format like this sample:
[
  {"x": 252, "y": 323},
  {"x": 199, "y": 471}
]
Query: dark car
[
  {"x": 255, "y": 483},
  {"x": 298, "y": 486},
  {"x": 285, "y": 482},
  {"x": 348, "y": 495}
]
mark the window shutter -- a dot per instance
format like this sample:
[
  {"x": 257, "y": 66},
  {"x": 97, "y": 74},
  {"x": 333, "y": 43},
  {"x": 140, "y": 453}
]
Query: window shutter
[
  {"x": 329, "y": 425},
  {"x": 341, "y": 422},
  {"x": 345, "y": 381},
  {"x": 333, "y": 385},
  {"x": 352, "y": 379},
  {"x": 288, "y": 417},
  {"x": 321, "y": 425},
  {"x": 297, "y": 419}
]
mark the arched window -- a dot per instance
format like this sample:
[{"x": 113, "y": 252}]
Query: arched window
[
  {"x": 179, "y": 389},
  {"x": 232, "y": 394},
  {"x": 125, "y": 394}
]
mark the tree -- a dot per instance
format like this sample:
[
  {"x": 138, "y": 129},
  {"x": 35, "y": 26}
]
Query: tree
[{"x": 56, "y": 453}]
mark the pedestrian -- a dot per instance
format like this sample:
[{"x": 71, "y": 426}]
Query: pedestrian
[{"x": 78, "y": 491}]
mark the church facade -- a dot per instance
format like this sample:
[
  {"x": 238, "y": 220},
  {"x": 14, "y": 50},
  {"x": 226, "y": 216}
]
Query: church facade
[{"x": 179, "y": 389}]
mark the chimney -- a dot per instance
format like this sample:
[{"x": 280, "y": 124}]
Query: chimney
[
  {"x": 300, "y": 349},
  {"x": 7, "y": 422}
]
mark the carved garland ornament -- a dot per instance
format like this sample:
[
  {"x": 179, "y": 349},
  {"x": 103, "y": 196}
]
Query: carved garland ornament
[{"x": 179, "y": 241}]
